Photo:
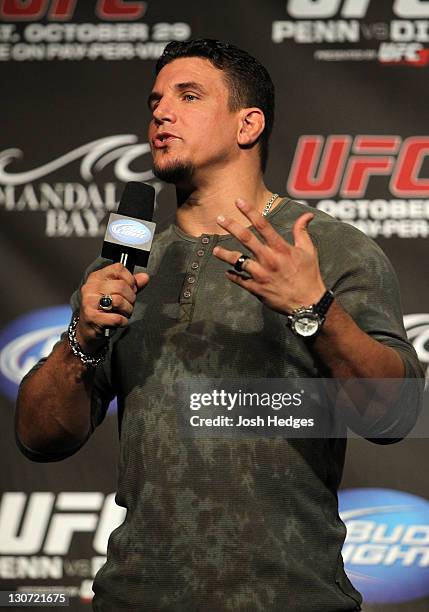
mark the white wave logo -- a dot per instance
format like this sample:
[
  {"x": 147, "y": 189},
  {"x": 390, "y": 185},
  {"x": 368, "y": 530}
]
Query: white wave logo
[
  {"x": 14, "y": 365},
  {"x": 417, "y": 328},
  {"x": 95, "y": 155},
  {"x": 130, "y": 232}
]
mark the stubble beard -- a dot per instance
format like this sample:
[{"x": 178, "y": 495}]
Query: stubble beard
[{"x": 176, "y": 172}]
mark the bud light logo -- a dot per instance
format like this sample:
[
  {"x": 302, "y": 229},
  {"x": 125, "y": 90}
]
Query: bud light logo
[
  {"x": 386, "y": 552},
  {"x": 26, "y": 340},
  {"x": 129, "y": 231}
]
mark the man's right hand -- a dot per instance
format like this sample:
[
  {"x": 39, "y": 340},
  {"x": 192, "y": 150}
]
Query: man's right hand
[
  {"x": 118, "y": 282},
  {"x": 53, "y": 416}
]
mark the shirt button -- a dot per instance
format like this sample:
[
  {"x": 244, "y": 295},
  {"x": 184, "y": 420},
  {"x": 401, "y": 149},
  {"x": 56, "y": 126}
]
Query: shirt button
[
  {"x": 186, "y": 294},
  {"x": 195, "y": 265},
  {"x": 200, "y": 252},
  {"x": 205, "y": 239},
  {"x": 191, "y": 279}
]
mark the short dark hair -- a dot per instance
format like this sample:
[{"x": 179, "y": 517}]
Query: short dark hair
[{"x": 248, "y": 81}]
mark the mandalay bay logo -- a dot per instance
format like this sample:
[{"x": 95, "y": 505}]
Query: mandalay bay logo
[{"x": 79, "y": 208}]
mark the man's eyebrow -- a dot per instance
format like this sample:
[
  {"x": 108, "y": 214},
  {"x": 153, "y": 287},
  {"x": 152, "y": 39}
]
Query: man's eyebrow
[
  {"x": 190, "y": 85},
  {"x": 155, "y": 95}
]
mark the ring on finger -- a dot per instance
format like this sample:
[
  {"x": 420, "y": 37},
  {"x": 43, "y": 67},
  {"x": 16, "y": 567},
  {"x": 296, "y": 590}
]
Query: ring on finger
[
  {"x": 106, "y": 303},
  {"x": 240, "y": 264}
]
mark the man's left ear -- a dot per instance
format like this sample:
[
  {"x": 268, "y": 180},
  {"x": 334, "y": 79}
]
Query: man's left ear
[{"x": 252, "y": 123}]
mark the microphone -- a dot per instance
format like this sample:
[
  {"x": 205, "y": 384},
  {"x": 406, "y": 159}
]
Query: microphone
[{"x": 130, "y": 231}]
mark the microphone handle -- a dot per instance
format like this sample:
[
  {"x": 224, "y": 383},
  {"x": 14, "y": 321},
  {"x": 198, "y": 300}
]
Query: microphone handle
[{"x": 129, "y": 262}]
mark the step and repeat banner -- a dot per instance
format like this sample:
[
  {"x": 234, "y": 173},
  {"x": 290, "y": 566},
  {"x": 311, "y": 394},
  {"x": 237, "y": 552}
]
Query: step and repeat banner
[{"x": 351, "y": 138}]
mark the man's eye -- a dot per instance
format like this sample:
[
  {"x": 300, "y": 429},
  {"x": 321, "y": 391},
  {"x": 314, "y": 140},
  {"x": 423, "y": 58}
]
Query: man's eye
[{"x": 190, "y": 97}]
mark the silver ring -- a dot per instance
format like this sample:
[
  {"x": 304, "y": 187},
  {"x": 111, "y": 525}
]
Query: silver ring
[
  {"x": 238, "y": 266},
  {"x": 106, "y": 303}
]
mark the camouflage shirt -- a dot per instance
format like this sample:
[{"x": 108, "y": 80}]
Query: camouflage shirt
[{"x": 230, "y": 525}]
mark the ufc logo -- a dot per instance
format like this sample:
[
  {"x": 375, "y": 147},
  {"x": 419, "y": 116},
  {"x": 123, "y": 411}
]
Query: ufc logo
[
  {"x": 340, "y": 165},
  {"x": 63, "y": 10},
  {"x": 353, "y": 9},
  {"x": 41, "y": 521}
]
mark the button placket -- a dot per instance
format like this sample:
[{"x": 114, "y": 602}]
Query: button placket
[{"x": 192, "y": 274}]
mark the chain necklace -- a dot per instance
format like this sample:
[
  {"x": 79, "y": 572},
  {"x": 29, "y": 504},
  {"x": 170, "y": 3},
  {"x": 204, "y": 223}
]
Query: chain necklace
[{"x": 269, "y": 204}]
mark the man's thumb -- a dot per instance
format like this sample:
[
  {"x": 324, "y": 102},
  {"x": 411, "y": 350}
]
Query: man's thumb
[
  {"x": 301, "y": 236},
  {"x": 141, "y": 279}
]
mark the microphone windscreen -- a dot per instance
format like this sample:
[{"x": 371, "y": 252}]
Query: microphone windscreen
[{"x": 137, "y": 201}]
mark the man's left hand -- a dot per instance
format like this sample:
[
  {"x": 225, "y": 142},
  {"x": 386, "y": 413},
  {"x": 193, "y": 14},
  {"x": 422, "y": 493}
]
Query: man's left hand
[{"x": 283, "y": 276}]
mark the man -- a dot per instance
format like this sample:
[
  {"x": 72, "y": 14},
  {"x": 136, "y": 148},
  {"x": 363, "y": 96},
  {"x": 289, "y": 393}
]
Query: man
[{"x": 245, "y": 523}]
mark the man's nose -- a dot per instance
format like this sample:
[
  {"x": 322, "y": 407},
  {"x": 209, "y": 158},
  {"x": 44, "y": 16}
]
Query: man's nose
[{"x": 164, "y": 111}]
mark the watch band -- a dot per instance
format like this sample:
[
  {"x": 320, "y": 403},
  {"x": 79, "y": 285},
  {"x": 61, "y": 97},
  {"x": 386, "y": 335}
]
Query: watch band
[
  {"x": 324, "y": 303},
  {"x": 307, "y": 321}
]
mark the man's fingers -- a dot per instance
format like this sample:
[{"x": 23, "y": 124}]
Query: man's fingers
[
  {"x": 301, "y": 237},
  {"x": 243, "y": 235},
  {"x": 141, "y": 280},
  {"x": 119, "y": 304},
  {"x": 226, "y": 255},
  {"x": 120, "y": 287},
  {"x": 106, "y": 320},
  {"x": 116, "y": 271},
  {"x": 92, "y": 324},
  {"x": 118, "y": 283},
  {"x": 247, "y": 283},
  {"x": 262, "y": 225},
  {"x": 250, "y": 266},
  {"x": 111, "y": 319}
]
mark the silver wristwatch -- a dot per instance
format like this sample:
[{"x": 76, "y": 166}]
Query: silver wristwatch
[{"x": 307, "y": 321}]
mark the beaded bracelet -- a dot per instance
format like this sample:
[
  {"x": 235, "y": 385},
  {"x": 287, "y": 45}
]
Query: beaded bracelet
[{"x": 85, "y": 358}]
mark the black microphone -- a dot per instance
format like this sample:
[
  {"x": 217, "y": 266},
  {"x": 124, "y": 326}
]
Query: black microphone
[{"x": 130, "y": 231}]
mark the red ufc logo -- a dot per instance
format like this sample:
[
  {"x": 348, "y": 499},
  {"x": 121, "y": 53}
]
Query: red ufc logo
[
  {"x": 63, "y": 10},
  {"x": 340, "y": 165}
]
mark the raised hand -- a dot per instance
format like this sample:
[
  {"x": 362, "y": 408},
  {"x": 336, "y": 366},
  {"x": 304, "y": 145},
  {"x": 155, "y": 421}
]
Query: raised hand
[{"x": 283, "y": 276}]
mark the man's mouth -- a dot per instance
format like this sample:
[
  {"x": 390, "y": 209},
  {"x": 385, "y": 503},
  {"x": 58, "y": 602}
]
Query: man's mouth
[{"x": 163, "y": 139}]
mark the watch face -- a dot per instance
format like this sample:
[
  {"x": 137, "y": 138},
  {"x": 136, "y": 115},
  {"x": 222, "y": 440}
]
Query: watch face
[{"x": 306, "y": 325}]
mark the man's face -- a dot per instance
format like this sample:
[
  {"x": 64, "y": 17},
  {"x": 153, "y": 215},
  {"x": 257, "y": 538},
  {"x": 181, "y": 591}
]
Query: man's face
[{"x": 192, "y": 128}]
